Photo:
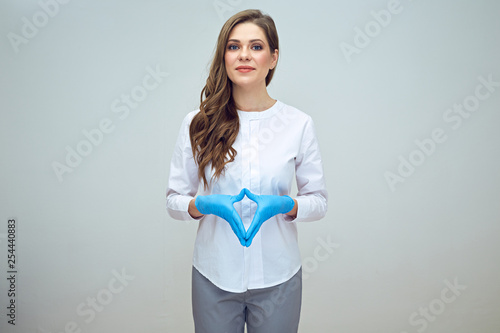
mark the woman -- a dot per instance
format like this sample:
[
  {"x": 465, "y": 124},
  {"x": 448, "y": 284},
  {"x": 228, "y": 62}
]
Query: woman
[{"x": 244, "y": 147}]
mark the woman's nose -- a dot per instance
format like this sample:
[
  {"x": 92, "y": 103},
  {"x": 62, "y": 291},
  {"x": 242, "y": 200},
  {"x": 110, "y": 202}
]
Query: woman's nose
[{"x": 244, "y": 54}]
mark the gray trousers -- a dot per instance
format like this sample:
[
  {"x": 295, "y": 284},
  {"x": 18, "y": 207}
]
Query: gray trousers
[{"x": 268, "y": 310}]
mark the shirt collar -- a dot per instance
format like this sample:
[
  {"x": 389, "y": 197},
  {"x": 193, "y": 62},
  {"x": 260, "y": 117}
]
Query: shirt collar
[{"x": 261, "y": 114}]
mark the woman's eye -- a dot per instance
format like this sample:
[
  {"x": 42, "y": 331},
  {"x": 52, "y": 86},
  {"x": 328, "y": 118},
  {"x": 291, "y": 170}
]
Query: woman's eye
[{"x": 235, "y": 47}]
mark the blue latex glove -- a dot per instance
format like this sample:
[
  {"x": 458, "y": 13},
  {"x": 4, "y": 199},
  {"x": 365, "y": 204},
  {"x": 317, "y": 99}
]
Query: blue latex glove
[
  {"x": 222, "y": 206},
  {"x": 267, "y": 207}
]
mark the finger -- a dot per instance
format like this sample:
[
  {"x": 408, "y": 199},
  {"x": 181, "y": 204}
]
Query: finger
[
  {"x": 250, "y": 195},
  {"x": 251, "y": 236},
  {"x": 241, "y": 239},
  {"x": 254, "y": 226},
  {"x": 238, "y": 225},
  {"x": 248, "y": 242},
  {"x": 237, "y": 232},
  {"x": 238, "y": 197}
]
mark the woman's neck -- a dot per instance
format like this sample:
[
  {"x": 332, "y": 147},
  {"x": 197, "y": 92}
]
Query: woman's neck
[{"x": 252, "y": 99}]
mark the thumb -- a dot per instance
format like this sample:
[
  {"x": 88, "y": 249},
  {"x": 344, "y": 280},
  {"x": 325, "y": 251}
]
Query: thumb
[
  {"x": 250, "y": 195},
  {"x": 238, "y": 197}
]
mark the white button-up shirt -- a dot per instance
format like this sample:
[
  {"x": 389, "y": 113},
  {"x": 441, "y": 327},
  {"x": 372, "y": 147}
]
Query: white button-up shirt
[{"x": 272, "y": 146}]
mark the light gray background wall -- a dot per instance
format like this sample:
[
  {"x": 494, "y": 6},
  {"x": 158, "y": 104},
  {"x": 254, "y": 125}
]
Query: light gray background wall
[{"x": 411, "y": 239}]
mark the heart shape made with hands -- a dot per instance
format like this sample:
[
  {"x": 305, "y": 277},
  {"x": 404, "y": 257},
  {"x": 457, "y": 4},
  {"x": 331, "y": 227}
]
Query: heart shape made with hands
[
  {"x": 222, "y": 206},
  {"x": 267, "y": 207}
]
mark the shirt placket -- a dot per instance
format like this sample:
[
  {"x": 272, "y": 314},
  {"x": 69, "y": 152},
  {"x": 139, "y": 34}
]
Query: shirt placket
[
  {"x": 256, "y": 275},
  {"x": 245, "y": 183},
  {"x": 251, "y": 180}
]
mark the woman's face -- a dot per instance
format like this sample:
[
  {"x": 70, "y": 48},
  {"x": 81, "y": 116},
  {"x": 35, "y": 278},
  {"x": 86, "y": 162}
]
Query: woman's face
[{"x": 248, "y": 57}]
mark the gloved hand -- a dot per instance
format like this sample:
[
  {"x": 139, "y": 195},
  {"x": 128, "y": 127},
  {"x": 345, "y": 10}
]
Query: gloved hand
[
  {"x": 222, "y": 206},
  {"x": 267, "y": 207}
]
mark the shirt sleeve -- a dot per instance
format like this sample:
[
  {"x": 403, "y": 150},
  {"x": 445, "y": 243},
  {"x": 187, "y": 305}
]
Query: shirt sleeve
[
  {"x": 183, "y": 180},
  {"x": 312, "y": 195}
]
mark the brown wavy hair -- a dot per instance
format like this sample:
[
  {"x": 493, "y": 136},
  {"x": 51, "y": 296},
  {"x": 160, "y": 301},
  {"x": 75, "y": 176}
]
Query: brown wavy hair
[{"x": 213, "y": 130}]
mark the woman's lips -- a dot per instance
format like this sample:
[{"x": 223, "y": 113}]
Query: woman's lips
[{"x": 244, "y": 69}]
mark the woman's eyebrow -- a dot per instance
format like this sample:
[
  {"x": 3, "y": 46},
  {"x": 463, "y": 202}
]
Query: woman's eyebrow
[{"x": 251, "y": 40}]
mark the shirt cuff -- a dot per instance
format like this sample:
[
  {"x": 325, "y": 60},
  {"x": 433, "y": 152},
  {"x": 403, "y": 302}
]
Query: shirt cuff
[
  {"x": 303, "y": 210},
  {"x": 182, "y": 211}
]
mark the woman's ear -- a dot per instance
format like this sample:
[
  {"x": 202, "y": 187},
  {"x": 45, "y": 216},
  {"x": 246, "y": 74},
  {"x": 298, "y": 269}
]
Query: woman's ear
[{"x": 275, "y": 58}]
